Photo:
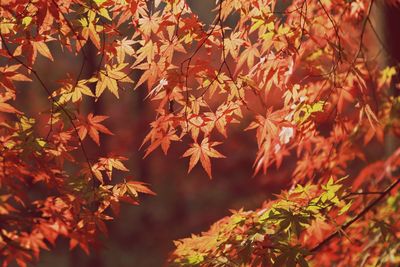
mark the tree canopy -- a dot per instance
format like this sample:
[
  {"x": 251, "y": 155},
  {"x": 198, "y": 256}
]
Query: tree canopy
[{"x": 312, "y": 82}]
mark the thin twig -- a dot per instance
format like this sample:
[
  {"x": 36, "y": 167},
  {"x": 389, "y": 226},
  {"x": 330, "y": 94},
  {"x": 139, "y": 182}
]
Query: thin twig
[{"x": 346, "y": 225}]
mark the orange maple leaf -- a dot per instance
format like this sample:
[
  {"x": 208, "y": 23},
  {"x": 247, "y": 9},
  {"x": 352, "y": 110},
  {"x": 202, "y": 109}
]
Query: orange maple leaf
[
  {"x": 92, "y": 125},
  {"x": 202, "y": 152},
  {"x": 316, "y": 232},
  {"x": 135, "y": 187},
  {"x": 107, "y": 164},
  {"x": 5, "y": 107}
]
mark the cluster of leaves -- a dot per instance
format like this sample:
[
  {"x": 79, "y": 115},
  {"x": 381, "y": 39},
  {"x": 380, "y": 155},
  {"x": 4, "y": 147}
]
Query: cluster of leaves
[
  {"x": 313, "y": 95},
  {"x": 295, "y": 230},
  {"x": 293, "y": 73},
  {"x": 290, "y": 72},
  {"x": 276, "y": 235},
  {"x": 49, "y": 186}
]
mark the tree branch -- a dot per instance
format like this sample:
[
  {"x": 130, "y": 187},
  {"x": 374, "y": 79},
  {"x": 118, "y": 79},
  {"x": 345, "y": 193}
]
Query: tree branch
[{"x": 346, "y": 225}]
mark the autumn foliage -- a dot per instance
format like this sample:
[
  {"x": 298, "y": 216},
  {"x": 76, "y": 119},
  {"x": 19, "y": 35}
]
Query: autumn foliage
[{"x": 311, "y": 81}]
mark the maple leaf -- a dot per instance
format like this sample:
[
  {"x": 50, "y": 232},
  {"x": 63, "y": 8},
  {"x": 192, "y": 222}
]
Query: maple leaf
[
  {"x": 74, "y": 92},
  {"x": 386, "y": 76},
  {"x": 34, "y": 241},
  {"x": 150, "y": 74},
  {"x": 316, "y": 232},
  {"x": 8, "y": 74},
  {"x": 148, "y": 51},
  {"x": 91, "y": 125},
  {"x": 263, "y": 156},
  {"x": 268, "y": 124},
  {"x": 202, "y": 152},
  {"x": 91, "y": 29},
  {"x": 163, "y": 139},
  {"x": 135, "y": 187},
  {"x": 42, "y": 48},
  {"x": 107, "y": 164},
  {"x": 248, "y": 55},
  {"x": 130, "y": 188},
  {"x": 345, "y": 94},
  {"x": 220, "y": 119},
  {"x": 233, "y": 44},
  {"x": 149, "y": 24},
  {"x": 110, "y": 77},
  {"x": 113, "y": 162},
  {"x": 125, "y": 47},
  {"x": 5, "y": 107},
  {"x": 373, "y": 120}
]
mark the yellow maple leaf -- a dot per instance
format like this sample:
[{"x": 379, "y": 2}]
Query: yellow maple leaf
[{"x": 110, "y": 77}]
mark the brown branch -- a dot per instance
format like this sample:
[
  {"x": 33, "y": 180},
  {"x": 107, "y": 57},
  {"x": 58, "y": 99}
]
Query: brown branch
[
  {"x": 346, "y": 225},
  {"x": 190, "y": 58},
  {"x": 363, "y": 29},
  {"x": 335, "y": 28}
]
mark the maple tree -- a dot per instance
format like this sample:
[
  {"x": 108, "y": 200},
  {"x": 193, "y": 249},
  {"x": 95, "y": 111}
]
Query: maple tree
[{"x": 311, "y": 81}]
